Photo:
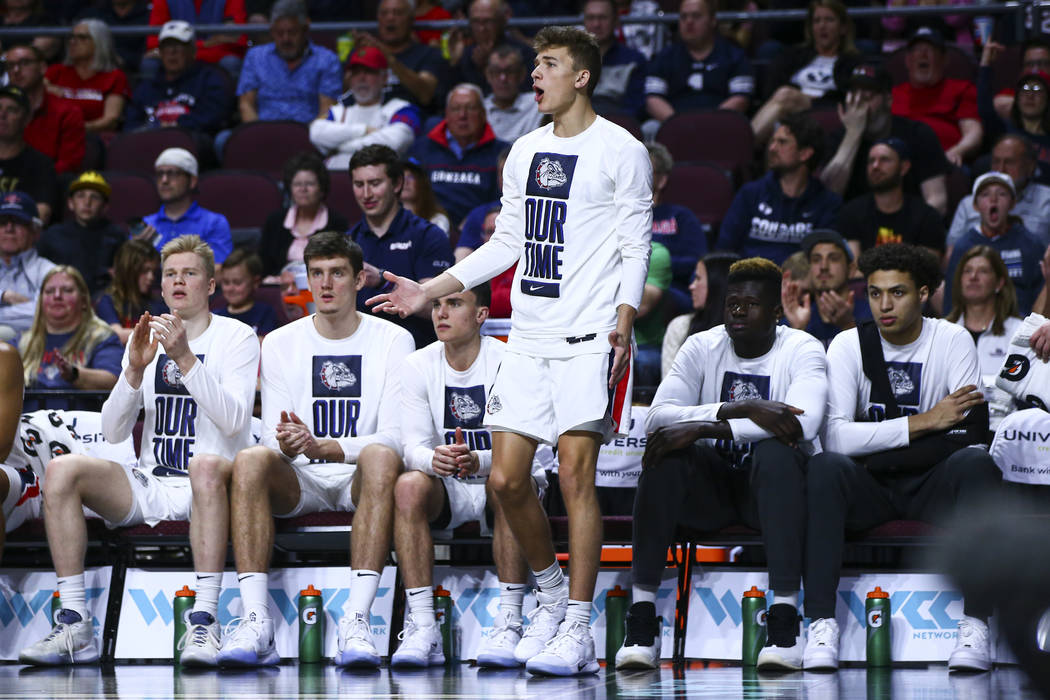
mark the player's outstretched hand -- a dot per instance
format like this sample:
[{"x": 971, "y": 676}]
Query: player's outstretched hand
[
  {"x": 405, "y": 299},
  {"x": 142, "y": 348}
]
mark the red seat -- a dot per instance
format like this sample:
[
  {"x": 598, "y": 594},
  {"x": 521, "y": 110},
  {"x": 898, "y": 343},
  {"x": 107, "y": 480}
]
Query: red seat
[
  {"x": 266, "y": 146},
  {"x": 135, "y": 152},
  {"x": 704, "y": 188},
  {"x": 133, "y": 196},
  {"x": 958, "y": 186},
  {"x": 244, "y": 198},
  {"x": 341, "y": 197},
  {"x": 828, "y": 119},
  {"x": 720, "y": 136}
]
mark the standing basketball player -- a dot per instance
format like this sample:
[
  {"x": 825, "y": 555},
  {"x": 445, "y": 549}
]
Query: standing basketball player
[{"x": 576, "y": 217}]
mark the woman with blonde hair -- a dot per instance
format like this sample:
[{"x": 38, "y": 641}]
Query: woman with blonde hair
[
  {"x": 90, "y": 78},
  {"x": 984, "y": 301},
  {"x": 68, "y": 347},
  {"x": 814, "y": 73}
]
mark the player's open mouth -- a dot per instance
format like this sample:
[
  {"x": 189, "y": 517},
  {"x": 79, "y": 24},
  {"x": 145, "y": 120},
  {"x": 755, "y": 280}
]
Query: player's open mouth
[{"x": 539, "y": 93}]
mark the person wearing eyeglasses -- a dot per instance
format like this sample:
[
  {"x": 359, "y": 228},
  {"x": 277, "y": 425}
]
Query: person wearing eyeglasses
[
  {"x": 90, "y": 78},
  {"x": 1029, "y": 113},
  {"x": 510, "y": 111},
  {"x": 55, "y": 127},
  {"x": 176, "y": 172},
  {"x": 460, "y": 154}
]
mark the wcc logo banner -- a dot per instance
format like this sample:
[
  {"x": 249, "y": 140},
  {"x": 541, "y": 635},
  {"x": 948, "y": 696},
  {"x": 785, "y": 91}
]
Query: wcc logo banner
[
  {"x": 475, "y": 605},
  {"x": 924, "y": 613},
  {"x": 25, "y": 605},
  {"x": 146, "y": 629}
]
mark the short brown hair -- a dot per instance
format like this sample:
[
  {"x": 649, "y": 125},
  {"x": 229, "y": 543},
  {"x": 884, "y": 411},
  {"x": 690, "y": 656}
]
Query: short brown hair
[
  {"x": 581, "y": 45},
  {"x": 333, "y": 244},
  {"x": 243, "y": 256}
]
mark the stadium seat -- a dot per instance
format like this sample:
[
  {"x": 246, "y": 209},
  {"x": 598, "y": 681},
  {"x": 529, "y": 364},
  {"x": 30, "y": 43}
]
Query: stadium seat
[
  {"x": 341, "y": 196},
  {"x": 628, "y": 122},
  {"x": 957, "y": 65},
  {"x": 266, "y": 146},
  {"x": 1006, "y": 69},
  {"x": 828, "y": 119},
  {"x": 958, "y": 187},
  {"x": 704, "y": 188},
  {"x": 135, "y": 152},
  {"x": 134, "y": 195},
  {"x": 244, "y": 198},
  {"x": 721, "y": 136}
]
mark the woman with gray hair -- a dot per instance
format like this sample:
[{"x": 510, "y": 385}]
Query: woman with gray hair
[{"x": 90, "y": 78}]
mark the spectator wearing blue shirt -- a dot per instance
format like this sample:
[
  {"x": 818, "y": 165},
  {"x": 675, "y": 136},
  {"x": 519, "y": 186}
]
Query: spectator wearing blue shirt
[
  {"x": 240, "y": 277},
  {"x": 770, "y": 216},
  {"x": 699, "y": 71},
  {"x": 993, "y": 197},
  {"x": 292, "y": 78},
  {"x": 176, "y": 172},
  {"x": 829, "y": 305},
  {"x": 459, "y": 154},
  {"x": 391, "y": 237},
  {"x": 676, "y": 228},
  {"x": 621, "y": 85},
  {"x": 68, "y": 347}
]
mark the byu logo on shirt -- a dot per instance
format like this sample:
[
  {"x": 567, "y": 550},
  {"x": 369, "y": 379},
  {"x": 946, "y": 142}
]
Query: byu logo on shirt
[{"x": 336, "y": 375}]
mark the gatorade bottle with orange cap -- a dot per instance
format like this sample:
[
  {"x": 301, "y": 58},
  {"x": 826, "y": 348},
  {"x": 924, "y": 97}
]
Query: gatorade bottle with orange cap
[
  {"x": 753, "y": 635},
  {"x": 877, "y": 609},
  {"x": 443, "y": 610},
  {"x": 311, "y": 625},
  {"x": 185, "y": 597},
  {"x": 616, "y": 605}
]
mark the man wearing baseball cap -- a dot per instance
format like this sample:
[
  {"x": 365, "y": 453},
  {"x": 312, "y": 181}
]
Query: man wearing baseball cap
[
  {"x": 184, "y": 92},
  {"x": 886, "y": 213},
  {"x": 22, "y": 269},
  {"x": 87, "y": 240},
  {"x": 226, "y": 50},
  {"x": 361, "y": 118},
  {"x": 867, "y": 116},
  {"x": 830, "y": 306},
  {"x": 947, "y": 105},
  {"x": 993, "y": 198},
  {"x": 176, "y": 173},
  {"x": 22, "y": 167}
]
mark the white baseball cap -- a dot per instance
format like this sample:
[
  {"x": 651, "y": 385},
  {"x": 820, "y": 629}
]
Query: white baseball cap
[
  {"x": 179, "y": 158},
  {"x": 179, "y": 30},
  {"x": 994, "y": 177}
]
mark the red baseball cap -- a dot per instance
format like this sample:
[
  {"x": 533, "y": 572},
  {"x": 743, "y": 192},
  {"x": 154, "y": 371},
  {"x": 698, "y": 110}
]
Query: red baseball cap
[{"x": 367, "y": 56}]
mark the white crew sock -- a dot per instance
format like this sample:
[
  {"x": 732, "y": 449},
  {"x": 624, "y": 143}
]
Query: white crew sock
[
  {"x": 255, "y": 593},
  {"x": 579, "y": 611},
  {"x": 643, "y": 594},
  {"x": 511, "y": 597},
  {"x": 71, "y": 592},
  {"x": 421, "y": 605},
  {"x": 551, "y": 579},
  {"x": 363, "y": 587},
  {"x": 207, "y": 589}
]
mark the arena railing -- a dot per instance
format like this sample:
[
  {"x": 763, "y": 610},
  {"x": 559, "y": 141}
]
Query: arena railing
[{"x": 1024, "y": 13}]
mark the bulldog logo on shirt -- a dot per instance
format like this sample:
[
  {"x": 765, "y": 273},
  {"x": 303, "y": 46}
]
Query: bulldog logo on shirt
[
  {"x": 171, "y": 374},
  {"x": 550, "y": 174},
  {"x": 741, "y": 390},
  {"x": 336, "y": 375},
  {"x": 463, "y": 408},
  {"x": 900, "y": 383}
]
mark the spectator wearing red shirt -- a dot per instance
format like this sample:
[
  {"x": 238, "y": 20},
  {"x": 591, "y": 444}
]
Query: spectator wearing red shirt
[
  {"x": 429, "y": 11},
  {"x": 947, "y": 105},
  {"x": 227, "y": 50},
  {"x": 90, "y": 79},
  {"x": 56, "y": 128}
]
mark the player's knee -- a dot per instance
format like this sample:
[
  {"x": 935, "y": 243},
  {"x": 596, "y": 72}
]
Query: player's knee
[
  {"x": 509, "y": 486},
  {"x": 379, "y": 465},
  {"x": 410, "y": 491},
  {"x": 575, "y": 485},
  {"x": 63, "y": 475},
  {"x": 251, "y": 466},
  {"x": 209, "y": 472}
]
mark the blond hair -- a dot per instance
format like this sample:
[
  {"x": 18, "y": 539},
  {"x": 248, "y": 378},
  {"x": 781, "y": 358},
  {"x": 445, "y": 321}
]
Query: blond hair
[
  {"x": 190, "y": 243},
  {"x": 89, "y": 332}
]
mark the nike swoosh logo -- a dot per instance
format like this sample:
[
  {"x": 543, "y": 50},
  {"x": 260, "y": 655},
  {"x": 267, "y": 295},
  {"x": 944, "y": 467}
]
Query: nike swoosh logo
[
  {"x": 514, "y": 590},
  {"x": 534, "y": 287},
  {"x": 580, "y": 666},
  {"x": 417, "y": 593},
  {"x": 241, "y": 578},
  {"x": 366, "y": 573}
]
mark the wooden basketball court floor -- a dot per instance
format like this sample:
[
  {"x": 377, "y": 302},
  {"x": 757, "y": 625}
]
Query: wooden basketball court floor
[{"x": 147, "y": 681}]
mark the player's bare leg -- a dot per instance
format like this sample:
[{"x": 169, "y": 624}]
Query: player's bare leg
[
  {"x": 511, "y": 481},
  {"x": 577, "y": 459},
  {"x": 74, "y": 481},
  {"x": 418, "y": 499}
]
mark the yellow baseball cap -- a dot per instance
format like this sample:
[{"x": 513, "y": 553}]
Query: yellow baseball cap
[{"x": 90, "y": 180}]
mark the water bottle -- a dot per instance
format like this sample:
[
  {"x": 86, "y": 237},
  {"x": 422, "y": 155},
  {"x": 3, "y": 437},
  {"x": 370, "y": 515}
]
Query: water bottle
[
  {"x": 877, "y": 609},
  {"x": 182, "y": 605},
  {"x": 616, "y": 604},
  {"x": 304, "y": 298},
  {"x": 753, "y": 635},
  {"x": 443, "y": 610},
  {"x": 311, "y": 625},
  {"x": 343, "y": 46},
  {"x": 983, "y": 26},
  {"x": 56, "y": 605}
]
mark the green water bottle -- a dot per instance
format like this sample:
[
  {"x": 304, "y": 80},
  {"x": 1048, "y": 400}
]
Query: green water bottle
[
  {"x": 616, "y": 604},
  {"x": 443, "y": 610},
  {"x": 753, "y": 634},
  {"x": 311, "y": 626},
  {"x": 56, "y": 605},
  {"x": 343, "y": 46},
  {"x": 181, "y": 607},
  {"x": 877, "y": 614}
]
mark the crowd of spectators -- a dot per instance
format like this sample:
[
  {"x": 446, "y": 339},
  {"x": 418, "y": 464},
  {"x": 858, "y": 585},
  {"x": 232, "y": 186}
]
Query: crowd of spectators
[{"x": 847, "y": 157}]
